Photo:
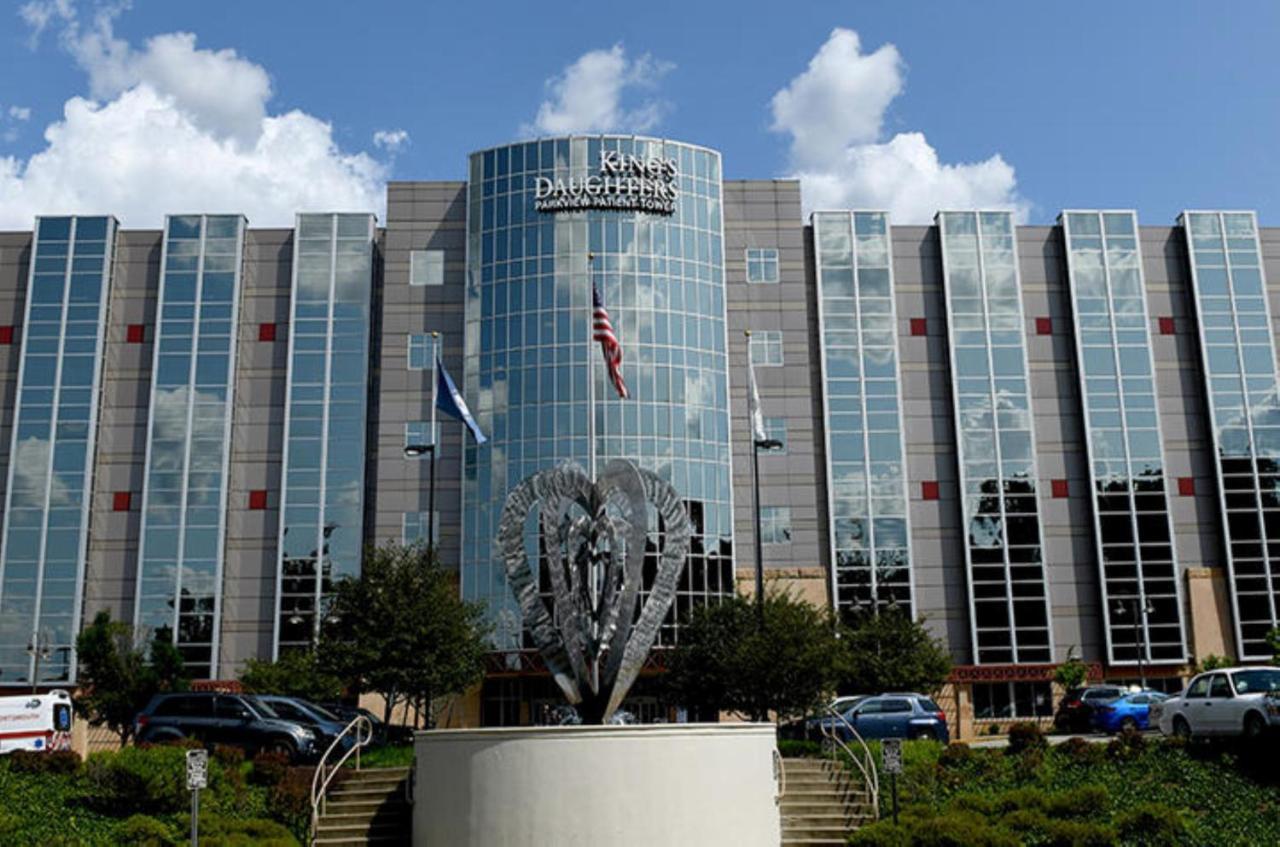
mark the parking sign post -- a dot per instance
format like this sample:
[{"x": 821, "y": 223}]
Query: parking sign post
[
  {"x": 197, "y": 778},
  {"x": 891, "y": 759}
]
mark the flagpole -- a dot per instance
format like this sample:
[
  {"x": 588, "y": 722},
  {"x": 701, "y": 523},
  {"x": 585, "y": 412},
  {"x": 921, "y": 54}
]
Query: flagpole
[
  {"x": 591, "y": 371},
  {"x": 431, "y": 487},
  {"x": 755, "y": 487}
]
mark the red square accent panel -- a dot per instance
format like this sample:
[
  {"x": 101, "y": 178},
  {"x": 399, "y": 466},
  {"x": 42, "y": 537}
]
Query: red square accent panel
[
  {"x": 1187, "y": 486},
  {"x": 919, "y": 326},
  {"x": 929, "y": 489},
  {"x": 6, "y": 334},
  {"x": 258, "y": 499},
  {"x": 266, "y": 332},
  {"x": 121, "y": 501},
  {"x": 136, "y": 333},
  {"x": 1167, "y": 326},
  {"x": 1060, "y": 488},
  {"x": 1044, "y": 326}
]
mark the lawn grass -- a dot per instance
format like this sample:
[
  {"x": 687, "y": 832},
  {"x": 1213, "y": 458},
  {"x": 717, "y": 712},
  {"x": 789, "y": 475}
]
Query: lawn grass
[{"x": 388, "y": 756}]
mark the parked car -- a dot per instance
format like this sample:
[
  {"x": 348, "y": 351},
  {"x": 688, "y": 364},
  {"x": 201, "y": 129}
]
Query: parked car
[
  {"x": 240, "y": 720},
  {"x": 1075, "y": 712},
  {"x": 906, "y": 715},
  {"x": 1231, "y": 701},
  {"x": 326, "y": 724},
  {"x": 1131, "y": 711},
  {"x": 383, "y": 733}
]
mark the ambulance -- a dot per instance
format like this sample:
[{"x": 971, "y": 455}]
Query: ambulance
[{"x": 35, "y": 722}]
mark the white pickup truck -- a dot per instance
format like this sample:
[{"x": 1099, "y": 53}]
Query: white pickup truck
[
  {"x": 1231, "y": 701},
  {"x": 35, "y": 722}
]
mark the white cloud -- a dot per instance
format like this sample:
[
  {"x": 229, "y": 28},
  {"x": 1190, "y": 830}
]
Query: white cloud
[
  {"x": 834, "y": 112},
  {"x": 588, "y": 95},
  {"x": 177, "y": 128},
  {"x": 20, "y": 113},
  {"x": 391, "y": 140}
]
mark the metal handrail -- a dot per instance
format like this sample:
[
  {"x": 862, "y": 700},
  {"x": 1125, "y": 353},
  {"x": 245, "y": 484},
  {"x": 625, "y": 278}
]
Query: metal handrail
[
  {"x": 325, "y": 773},
  {"x": 866, "y": 763},
  {"x": 780, "y": 766}
]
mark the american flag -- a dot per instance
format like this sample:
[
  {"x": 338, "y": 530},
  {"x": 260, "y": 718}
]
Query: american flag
[{"x": 603, "y": 332}]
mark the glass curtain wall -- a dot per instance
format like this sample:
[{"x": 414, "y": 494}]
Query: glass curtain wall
[
  {"x": 42, "y": 556},
  {"x": 1008, "y": 592},
  {"x": 1134, "y": 540},
  {"x": 866, "y": 473},
  {"x": 1238, "y": 358},
  {"x": 529, "y": 349},
  {"x": 184, "y": 495},
  {"x": 322, "y": 495}
]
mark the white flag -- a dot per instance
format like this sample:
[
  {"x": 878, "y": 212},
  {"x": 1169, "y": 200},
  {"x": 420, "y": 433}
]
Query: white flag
[{"x": 758, "y": 433}]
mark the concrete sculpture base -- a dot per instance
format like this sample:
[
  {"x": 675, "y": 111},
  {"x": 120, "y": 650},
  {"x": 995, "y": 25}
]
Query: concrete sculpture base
[{"x": 590, "y": 785}]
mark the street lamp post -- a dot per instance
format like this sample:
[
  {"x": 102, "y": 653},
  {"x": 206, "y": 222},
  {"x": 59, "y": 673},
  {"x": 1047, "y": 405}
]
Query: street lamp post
[
  {"x": 413, "y": 451},
  {"x": 38, "y": 649},
  {"x": 1141, "y": 608}
]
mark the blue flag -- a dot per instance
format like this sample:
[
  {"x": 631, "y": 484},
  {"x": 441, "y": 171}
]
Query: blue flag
[{"x": 449, "y": 400}]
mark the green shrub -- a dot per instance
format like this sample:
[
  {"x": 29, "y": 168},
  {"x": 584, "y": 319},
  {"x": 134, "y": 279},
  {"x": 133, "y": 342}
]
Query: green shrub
[
  {"x": 144, "y": 831},
  {"x": 1027, "y": 822},
  {"x": 1080, "y": 751},
  {"x": 960, "y": 829},
  {"x": 954, "y": 755},
  {"x": 253, "y": 832},
  {"x": 983, "y": 804},
  {"x": 993, "y": 729},
  {"x": 38, "y": 761},
  {"x": 1129, "y": 744},
  {"x": 1079, "y": 834},
  {"x": 290, "y": 798},
  {"x": 1083, "y": 802},
  {"x": 269, "y": 768},
  {"x": 150, "y": 780},
  {"x": 1152, "y": 825},
  {"x": 792, "y": 749},
  {"x": 9, "y": 824},
  {"x": 881, "y": 834},
  {"x": 1024, "y": 737},
  {"x": 1021, "y": 798},
  {"x": 228, "y": 756}
]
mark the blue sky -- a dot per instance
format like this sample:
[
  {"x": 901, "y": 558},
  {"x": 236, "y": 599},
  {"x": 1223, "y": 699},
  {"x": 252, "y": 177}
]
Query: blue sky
[{"x": 906, "y": 106}]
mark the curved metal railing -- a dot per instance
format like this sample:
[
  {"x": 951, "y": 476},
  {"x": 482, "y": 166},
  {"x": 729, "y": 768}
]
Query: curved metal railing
[
  {"x": 779, "y": 774},
  {"x": 326, "y": 772},
  {"x": 863, "y": 759}
]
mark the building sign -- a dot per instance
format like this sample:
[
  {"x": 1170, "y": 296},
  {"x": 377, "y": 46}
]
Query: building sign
[{"x": 625, "y": 183}]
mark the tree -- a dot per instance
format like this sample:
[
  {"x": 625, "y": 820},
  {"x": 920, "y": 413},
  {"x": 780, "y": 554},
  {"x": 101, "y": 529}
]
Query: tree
[
  {"x": 295, "y": 674},
  {"x": 400, "y": 629},
  {"x": 119, "y": 676},
  {"x": 1213, "y": 662},
  {"x": 726, "y": 662},
  {"x": 888, "y": 651},
  {"x": 1072, "y": 673}
]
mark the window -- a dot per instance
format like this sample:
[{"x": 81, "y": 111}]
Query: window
[
  {"x": 1219, "y": 687},
  {"x": 418, "y": 433},
  {"x": 416, "y": 525},
  {"x": 996, "y": 700},
  {"x": 775, "y": 524},
  {"x": 776, "y": 429},
  {"x": 426, "y": 267},
  {"x": 421, "y": 351},
  {"x": 1199, "y": 688},
  {"x": 766, "y": 348},
  {"x": 762, "y": 264}
]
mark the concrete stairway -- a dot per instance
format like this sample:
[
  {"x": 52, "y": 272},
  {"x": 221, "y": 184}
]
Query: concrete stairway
[
  {"x": 821, "y": 803},
  {"x": 369, "y": 806}
]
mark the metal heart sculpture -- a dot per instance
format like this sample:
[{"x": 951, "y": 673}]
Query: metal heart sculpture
[{"x": 592, "y": 641}]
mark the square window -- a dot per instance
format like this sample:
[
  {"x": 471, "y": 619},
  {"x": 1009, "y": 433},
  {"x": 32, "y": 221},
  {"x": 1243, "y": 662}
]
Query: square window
[
  {"x": 421, "y": 351},
  {"x": 1186, "y": 486},
  {"x": 121, "y": 501},
  {"x": 929, "y": 489},
  {"x": 1167, "y": 326},
  {"x": 266, "y": 332},
  {"x": 419, "y": 434},
  {"x": 258, "y": 499},
  {"x": 1060, "y": 488},
  {"x": 416, "y": 525},
  {"x": 775, "y": 524},
  {"x": 426, "y": 267},
  {"x": 919, "y": 326},
  {"x": 765, "y": 348},
  {"x": 6, "y": 334},
  {"x": 136, "y": 333},
  {"x": 762, "y": 265},
  {"x": 1044, "y": 326}
]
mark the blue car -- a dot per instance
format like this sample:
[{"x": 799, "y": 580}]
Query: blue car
[
  {"x": 1131, "y": 711},
  {"x": 891, "y": 716}
]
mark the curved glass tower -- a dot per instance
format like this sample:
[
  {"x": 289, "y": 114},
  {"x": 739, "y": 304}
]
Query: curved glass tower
[{"x": 649, "y": 212}]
